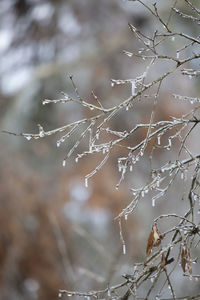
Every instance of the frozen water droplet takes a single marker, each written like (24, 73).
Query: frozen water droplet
(58, 143)
(190, 77)
(152, 279)
(64, 163)
(126, 217)
(112, 84)
(76, 159)
(177, 55)
(131, 168)
(133, 86)
(173, 38)
(86, 182)
(28, 137)
(143, 58)
(158, 138)
(60, 295)
(142, 193)
(124, 249)
(153, 202)
(127, 108)
(91, 108)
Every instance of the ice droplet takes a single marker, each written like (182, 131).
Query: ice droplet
(177, 55)
(124, 249)
(158, 138)
(44, 102)
(86, 182)
(64, 163)
(153, 202)
(126, 217)
(112, 84)
(173, 38)
(60, 295)
(133, 86)
(58, 144)
(28, 137)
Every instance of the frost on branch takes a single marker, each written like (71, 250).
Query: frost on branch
(168, 137)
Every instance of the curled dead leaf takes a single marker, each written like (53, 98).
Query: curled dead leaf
(186, 260)
(154, 239)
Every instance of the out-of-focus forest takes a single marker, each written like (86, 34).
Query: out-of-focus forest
(54, 232)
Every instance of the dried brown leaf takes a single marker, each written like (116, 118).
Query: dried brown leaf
(154, 239)
(185, 260)
(163, 260)
(149, 243)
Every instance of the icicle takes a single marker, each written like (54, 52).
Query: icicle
(131, 168)
(142, 193)
(64, 163)
(124, 249)
(158, 138)
(177, 55)
(133, 86)
(86, 182)
(76, 159)
(58, 143)
(127, 108)
(169, 144)
(28, 137)
(153, 202)
(126, 217)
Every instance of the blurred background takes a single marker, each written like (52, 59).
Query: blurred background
(54, 232)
